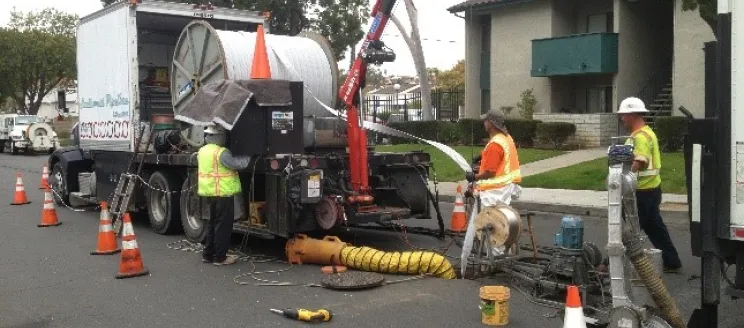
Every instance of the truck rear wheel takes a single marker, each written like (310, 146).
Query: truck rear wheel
(162, 204)
(194, 226)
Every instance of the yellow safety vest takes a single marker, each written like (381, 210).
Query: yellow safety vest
(508, 171)
(215, 179)
(646, 149)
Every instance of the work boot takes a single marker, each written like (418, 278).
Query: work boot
(668, 269)
(206, 260)
(230, 259)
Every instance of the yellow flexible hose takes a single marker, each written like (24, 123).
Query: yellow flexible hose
(416, 262)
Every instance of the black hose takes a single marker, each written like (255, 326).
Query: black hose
(440, 220)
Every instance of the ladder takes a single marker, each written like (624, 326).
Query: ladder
(122, 197)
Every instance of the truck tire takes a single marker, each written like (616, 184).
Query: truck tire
(163, 204)
(58, 183)
(194, 226)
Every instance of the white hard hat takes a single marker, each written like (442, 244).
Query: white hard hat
(213, 129)
(632, 105)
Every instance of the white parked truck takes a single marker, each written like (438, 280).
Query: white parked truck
(138, 60)
(28, 133)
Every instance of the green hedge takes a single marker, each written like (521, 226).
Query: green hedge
(670, 131)
(555, 133)
(444, 132)
(465, 131)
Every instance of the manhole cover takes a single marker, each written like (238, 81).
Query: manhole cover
(352, 280)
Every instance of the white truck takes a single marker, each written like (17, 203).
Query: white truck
(28, 133)
(138, 61)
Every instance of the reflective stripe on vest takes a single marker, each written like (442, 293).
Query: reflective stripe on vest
(215, 179)
(508, 174)
(650, 170)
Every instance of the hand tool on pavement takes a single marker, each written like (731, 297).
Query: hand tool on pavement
(305, 315)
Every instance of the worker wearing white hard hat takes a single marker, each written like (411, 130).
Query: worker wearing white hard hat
(647, 165)
(218, 181)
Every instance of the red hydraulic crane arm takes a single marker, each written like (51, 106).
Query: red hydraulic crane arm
(349, 94)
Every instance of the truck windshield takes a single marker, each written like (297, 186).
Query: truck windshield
(27, 120)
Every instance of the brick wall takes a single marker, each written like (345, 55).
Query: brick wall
(592, 130)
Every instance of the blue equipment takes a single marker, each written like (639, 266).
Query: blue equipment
(571, 235)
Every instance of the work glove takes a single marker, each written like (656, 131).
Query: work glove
(470, 176)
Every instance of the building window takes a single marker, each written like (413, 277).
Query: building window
(600, 23)
(485, 101)
(599, 99)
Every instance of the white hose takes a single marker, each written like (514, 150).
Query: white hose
(303, 59)
(315, 72)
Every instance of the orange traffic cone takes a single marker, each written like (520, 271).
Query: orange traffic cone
(260, 68)
(130, 264)
(44, 178)
(458, 221)
(48, 213)
(20, 193)
(574, 316)
(106, 239)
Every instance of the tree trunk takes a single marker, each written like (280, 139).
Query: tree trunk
(418, 63)
(421, 63)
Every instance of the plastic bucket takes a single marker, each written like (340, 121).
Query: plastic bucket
(494, 305)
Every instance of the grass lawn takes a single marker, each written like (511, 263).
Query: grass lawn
(446, 168)
(593, 174)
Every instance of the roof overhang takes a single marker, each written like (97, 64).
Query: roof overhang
(483, 5)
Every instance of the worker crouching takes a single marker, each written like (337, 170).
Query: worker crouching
(219, 183)
(498, 176)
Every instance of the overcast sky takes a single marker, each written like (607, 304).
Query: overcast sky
(442, 33)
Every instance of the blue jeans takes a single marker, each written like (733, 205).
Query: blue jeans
(649, 216)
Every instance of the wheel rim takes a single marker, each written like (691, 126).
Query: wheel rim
(58, 185)
(158, 203)
(192, 201)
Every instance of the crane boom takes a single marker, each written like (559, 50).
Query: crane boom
(370, 52)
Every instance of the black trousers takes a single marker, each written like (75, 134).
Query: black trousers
(219, 228)
(649, 216)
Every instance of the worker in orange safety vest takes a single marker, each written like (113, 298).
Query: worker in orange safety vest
(498, 177)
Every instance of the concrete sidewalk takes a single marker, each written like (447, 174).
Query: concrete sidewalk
(576, 202)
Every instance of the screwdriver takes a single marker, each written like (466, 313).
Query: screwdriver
(305, 315)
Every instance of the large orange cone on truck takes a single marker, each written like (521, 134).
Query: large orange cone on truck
(48, 213)
(44, 178)
(20, 198)
(107, 244)
(260, 68)
(130, 264)
(574, 316)
(458, 222)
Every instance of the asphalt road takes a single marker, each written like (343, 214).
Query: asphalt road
(48, 278)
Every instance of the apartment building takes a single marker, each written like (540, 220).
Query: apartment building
(581, 58)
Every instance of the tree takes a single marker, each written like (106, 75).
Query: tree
(708, 10)
(38, 51)
(340, 21)
(453, 78)
(414, 45)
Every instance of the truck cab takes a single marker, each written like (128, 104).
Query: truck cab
(28, 133)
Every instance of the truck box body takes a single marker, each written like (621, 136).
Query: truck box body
(125, 43)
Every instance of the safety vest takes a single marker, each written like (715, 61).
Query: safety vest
(215, 179)
(508, 170)
(648, 176)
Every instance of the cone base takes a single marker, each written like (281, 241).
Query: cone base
(20, 203)
(106, 252)
(49, 225)
(144, 271)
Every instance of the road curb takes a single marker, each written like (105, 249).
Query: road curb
(588, 211)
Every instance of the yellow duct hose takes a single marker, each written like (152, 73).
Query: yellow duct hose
(332, 251)
(416, 262)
